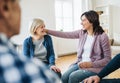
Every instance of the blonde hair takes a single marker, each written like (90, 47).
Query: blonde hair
(36, 22)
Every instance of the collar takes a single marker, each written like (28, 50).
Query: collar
(5, 41)
(3, 38)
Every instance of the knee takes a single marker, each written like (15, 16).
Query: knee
(118, 55)
(73, 78)
(64, 78)
(72, 75)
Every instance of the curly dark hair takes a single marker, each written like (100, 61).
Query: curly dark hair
(93, 18)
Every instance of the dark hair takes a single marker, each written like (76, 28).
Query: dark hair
(93, 18)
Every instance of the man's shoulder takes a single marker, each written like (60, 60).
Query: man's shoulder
(23, 68)
(4, 49)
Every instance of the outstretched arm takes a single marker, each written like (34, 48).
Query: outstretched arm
(71, 35)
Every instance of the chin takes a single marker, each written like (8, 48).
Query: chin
(83, 28)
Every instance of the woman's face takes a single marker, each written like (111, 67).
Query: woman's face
(85, 23)
(40, 30)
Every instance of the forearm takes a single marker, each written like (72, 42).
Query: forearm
(110, 67)
(52, 60)
(101, 63)
(26, 53)
(74, 34)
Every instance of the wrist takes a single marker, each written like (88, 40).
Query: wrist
(46, 30)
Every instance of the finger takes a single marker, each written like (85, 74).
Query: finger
(90, 81)
(85, 81)
(54, 69)
(84, 65)
(58, 70)
(96, 81)
(81, 65)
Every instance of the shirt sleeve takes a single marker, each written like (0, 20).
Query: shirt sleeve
(26, 48)
(51, 53)
(110, 67)
(70, 35)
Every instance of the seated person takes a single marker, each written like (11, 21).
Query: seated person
(113, 65)
(93, 51)
(39, 45)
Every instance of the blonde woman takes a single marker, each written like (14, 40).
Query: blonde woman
(39, 45)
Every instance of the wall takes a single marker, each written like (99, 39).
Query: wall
(115, 12)
(106, 2)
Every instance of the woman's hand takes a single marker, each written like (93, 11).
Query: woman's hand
(54, 68)
(85, 64)
(92, 79)
(45, 30)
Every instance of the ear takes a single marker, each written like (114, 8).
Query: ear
(4, 10)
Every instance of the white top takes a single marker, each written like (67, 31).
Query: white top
(87, 49)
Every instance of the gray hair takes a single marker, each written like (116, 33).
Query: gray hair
(36, 22)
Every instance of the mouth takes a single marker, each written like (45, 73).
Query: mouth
(42, 31)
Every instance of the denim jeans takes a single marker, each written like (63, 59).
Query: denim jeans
(75, 75)
(110, 81)
(58, 73)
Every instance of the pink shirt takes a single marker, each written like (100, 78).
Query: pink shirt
(100, 54)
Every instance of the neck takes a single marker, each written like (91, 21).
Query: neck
(5, 31)
(37, 37)
(90, 32)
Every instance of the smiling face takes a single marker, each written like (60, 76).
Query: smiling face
(37, 27)
(40, 30)
(85, 23)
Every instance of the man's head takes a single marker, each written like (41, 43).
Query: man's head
(10, 15)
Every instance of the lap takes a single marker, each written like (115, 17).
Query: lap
(81, 74)
(71, 69)
(74, 69)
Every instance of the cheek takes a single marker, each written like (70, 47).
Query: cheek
(87, 24)
(40, 30)
(84, 24)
